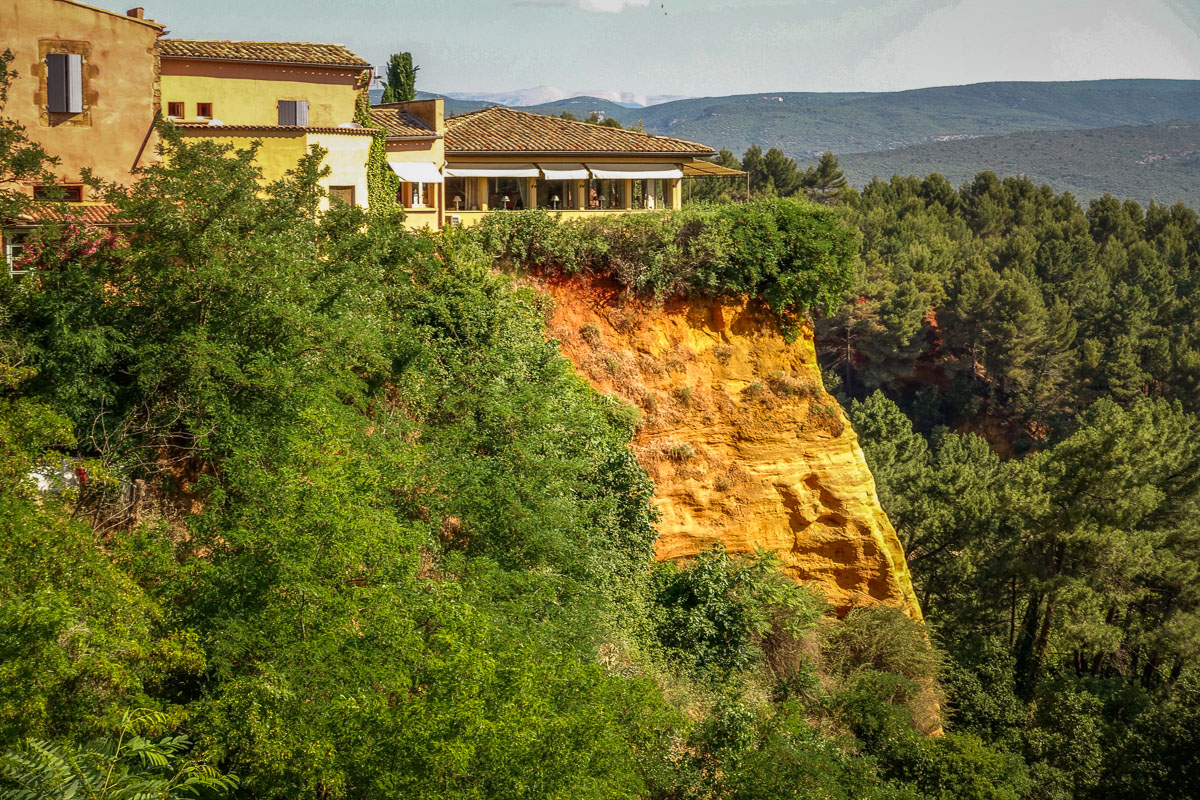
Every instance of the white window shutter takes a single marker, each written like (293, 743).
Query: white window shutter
(302, 113)
(74, 84)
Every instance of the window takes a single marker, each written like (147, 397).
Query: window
(415, 195)
(64, 83)
(342, 194)
(14, 243)
(204, 110)
(65, 194)
(293, 112)
(460, 194)
(175, 110)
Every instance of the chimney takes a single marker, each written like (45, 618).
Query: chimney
(137, 13)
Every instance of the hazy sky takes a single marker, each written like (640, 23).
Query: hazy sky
(714, 47)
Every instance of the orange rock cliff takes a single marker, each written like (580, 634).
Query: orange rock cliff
(745, 446)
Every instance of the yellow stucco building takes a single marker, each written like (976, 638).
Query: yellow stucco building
(502, 158)
(95, 82)
(416, 152)
(454, 170)
(288, 96)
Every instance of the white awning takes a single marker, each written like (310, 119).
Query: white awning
(564, 172)
(492, 171)
(416, 171)
(635, 171)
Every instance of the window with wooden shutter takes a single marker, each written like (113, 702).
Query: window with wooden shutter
(65, 194)
(293, 112)
(342, 194)
(64, 83)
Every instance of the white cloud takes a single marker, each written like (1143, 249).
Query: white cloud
(965, 41)
(603, 6)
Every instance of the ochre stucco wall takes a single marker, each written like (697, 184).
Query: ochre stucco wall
(280, 150)
(115, 132)
(246, 94)
(347, 161)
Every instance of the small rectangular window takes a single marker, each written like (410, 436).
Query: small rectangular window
(204, 110)
(14, 243)
(293, 112)
(62, 194)
(64, 83)
(342, 194)
(175, 110)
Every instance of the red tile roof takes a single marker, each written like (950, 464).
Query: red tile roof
(399, 123)
(300, 53)
(90, 213)
(504, 130)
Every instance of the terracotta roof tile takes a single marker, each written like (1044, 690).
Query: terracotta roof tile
(504, 130)
(325, 55)
(398, 122)
(90, 213)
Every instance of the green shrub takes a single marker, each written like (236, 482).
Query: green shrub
(716, 612)
(754, 391)
(875, 706)
(591, 334)
(680, 452)
(793, 255)
(879, 638)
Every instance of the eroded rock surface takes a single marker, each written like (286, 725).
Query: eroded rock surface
(745, 445)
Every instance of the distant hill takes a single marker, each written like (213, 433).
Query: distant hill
(806, 124)
(1143, 162)
(803, 124)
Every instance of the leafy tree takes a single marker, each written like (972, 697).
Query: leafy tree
(21, 161)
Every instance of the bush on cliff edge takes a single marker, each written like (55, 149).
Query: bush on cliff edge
(793, 255)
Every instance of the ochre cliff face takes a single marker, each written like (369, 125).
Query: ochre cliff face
(745, 446)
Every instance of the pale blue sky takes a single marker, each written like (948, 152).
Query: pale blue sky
(715, 47)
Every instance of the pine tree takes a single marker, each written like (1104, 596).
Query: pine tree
(783, 171)
(825, 182)
(755, 167)
(401, 79)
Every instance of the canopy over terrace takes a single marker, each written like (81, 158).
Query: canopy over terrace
(502, 158)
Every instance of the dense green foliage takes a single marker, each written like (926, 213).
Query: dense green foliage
(127, 767)
(348, 525)
(1004, 298)
(1057, 558)
(793, 255)
(347, 521)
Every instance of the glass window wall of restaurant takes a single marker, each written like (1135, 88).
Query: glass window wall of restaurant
(460, 194)
(511, 193)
